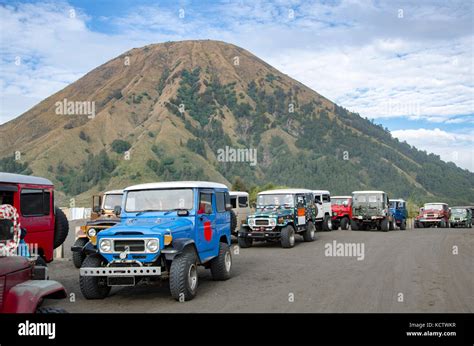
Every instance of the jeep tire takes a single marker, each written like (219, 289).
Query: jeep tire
(244, 242)
(384, 225)
(403, 225)
(233, 222)
(345, 224)
(79, 257)
(61, 227)
(391, 225)
(327, 223)
(354, 225)
(442, 224)
(310, 233)
(93, 287)
(288, 237)
(184, 276)
(222, 264)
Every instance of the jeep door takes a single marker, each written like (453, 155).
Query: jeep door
(300, 210)
(207, 235)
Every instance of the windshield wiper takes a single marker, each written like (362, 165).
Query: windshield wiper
(175, 209)
(144, 211)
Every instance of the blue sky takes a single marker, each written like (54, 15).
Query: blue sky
(406, 64)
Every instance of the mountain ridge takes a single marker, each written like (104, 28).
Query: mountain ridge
(301, 137)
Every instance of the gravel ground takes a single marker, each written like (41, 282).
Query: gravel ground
(429, 270)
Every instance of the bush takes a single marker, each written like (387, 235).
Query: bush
(120, 146)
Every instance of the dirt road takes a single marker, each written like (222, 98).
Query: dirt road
(429, 270)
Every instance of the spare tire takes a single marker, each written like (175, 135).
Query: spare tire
(61, 227)
(233, 222)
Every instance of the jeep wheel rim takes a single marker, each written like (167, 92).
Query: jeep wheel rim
(311, 232)
(292, 238)
(192, 277)
(329, 223)
(227, 261)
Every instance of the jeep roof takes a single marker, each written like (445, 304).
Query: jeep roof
(113, 192)
(238, 193)
(396, 200)
(368, 191)
(23, 179)
(437, 203)
(284, 191)
(176, 184)
(321, 191)
(336, 197)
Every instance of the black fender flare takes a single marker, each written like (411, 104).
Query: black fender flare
(178, 246)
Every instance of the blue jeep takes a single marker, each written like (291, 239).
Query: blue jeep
(398, 208)
(166, 230)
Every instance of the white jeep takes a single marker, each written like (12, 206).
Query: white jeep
(241, 207)
(322, 198)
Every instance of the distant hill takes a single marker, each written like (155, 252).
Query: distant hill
(228, 98)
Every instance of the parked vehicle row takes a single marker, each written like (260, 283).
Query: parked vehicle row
(156, 231)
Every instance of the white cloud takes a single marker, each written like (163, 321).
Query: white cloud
(359, 54)
(450, 146)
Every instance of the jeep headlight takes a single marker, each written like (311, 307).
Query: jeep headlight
(152, 245)
(91, 232)
(251, 222)
(272, 222)
(105, 245)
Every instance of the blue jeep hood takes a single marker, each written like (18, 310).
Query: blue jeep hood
(148, 226)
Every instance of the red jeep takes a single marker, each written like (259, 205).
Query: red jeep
(433, 214)
(33, 197)
(341, 207)
(23, 287)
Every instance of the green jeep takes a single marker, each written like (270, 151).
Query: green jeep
(280, 214)
(460, 217)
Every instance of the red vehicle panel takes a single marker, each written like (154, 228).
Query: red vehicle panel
(33, 197)
(341, 207)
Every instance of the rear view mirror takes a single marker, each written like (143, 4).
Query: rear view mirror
(22, 233)
(117, 210)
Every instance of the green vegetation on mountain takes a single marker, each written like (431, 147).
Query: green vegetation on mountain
(177, 106)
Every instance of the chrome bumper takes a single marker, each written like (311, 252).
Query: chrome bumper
(121, 271)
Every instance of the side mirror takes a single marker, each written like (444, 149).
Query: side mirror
(96, 209)
(22, 233)
(228, 207)
(117, 210)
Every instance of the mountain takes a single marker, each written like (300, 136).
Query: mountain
(168, 111)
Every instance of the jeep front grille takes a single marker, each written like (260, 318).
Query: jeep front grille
(262, 222)
(134, 245)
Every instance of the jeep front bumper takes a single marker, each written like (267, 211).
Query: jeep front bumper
(257, 234)
(121, 271)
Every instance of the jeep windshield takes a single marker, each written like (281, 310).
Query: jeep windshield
(339, 201)
(159, 200)
(275, 201)
(372, 200)
(111, 201)
(459, 212)
(433, 207)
